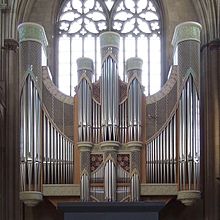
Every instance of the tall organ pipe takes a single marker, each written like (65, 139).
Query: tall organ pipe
(85, 71)
(109, 86)
(134, 68)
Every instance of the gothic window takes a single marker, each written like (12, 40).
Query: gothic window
(80, 23)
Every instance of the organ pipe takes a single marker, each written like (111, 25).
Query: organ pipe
(85, 71)
(109, 86)
(189, 145)
(57, 154)
(135, 187)
(30, 130)
(161, 155)
(110, 181)
(134, 67)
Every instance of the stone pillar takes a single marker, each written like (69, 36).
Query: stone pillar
(11, 146)
(210, 128)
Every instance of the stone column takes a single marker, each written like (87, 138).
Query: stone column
(210, 128)
(11, 148)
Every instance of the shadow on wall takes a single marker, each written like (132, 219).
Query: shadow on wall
(176, 210)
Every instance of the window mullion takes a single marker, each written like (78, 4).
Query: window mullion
(71, 65)
(148, 65)
(136, 47)
(124, 69)
(83, 49)
(95, 58)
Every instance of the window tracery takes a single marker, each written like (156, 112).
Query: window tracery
(80, 23)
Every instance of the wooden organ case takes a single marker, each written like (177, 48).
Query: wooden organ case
(109, 127)
(123, 146)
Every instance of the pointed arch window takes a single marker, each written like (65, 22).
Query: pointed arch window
(80, 22)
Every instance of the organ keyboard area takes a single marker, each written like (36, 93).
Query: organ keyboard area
(117, 150)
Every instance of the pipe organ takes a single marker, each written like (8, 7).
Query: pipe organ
(115, 160)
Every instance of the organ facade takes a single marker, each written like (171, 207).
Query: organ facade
(110, 143)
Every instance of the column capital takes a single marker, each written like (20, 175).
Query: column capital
(186, 31)
(11, 44)
(134, 66)
(109, 39)
(134, 145)
(109, 146)
(31, 198)
(85, 66)
(84, 146)
(29, 31)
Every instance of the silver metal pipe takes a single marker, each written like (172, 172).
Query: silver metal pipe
(94, 122)
(55, 157)
(184, 137)
(157, 159)
(69, 163)
(23, 176)
(162, 157)
(153, 162)
(148, 164)
(106, 181)
(171, 157)
(34, 116)
(197, 145)
(188, 134)
(30, 121)
(52, 153)
(24, 129)
(132, 114)
(125, 121)
(174, 149)
(30, 174)
(80, 111)
(61, 159)
(180, 144)
(34, 125)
